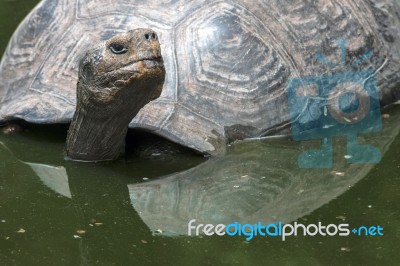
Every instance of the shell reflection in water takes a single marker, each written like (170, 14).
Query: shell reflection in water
(257, 180)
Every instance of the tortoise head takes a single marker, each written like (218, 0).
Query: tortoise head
(116, 79)
(127, 65)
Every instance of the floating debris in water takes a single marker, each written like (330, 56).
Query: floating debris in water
(7, 238)
(347, 156)
(94, 222)
(345, 249)
(386, 116)
(236, 186)
(158, 231)
(143, 241)
(21, 231)
(370, 206)
(3, 221)
(244, 176)
(76, 236)
(263, 177)
(145, 178)
(341, 218)
(300, 191)
(81, 232)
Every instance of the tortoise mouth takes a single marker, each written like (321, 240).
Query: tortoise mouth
(144, 63)
(139, 65)
(152, 62)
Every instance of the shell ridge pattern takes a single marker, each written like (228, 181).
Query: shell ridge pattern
(369, 29)
(283, 51)
(50, 53)
(198, 114)
(43, 63)
(321, 15)
(365, 10)
(175, 65)
(63, 98)
(9, 51)
(227, 62)
(220, 74)
(167, 118)
(215, 71)
(277, 49)
(38, 18)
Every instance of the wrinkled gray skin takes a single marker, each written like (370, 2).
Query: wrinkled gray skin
(227, 62)
(116, 79)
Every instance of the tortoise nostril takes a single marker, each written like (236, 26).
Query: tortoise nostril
(150, 36)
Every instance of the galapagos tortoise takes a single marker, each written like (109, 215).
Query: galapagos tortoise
(227, 62)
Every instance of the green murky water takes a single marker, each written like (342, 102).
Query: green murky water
(56, 212)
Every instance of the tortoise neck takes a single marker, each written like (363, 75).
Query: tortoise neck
(96, 137)
(99, 126)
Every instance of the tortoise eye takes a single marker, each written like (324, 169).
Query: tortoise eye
(118, 48)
